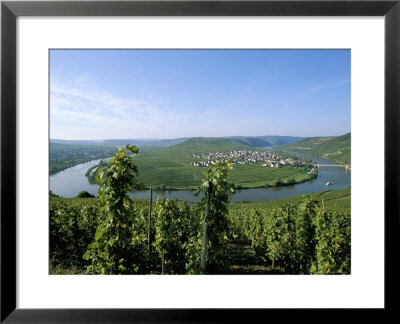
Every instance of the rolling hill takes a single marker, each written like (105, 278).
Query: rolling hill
(210, 144)
(255, 141)
(336, 149)
(122, 142)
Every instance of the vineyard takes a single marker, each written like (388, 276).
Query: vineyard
(172, 168)
(117, 234)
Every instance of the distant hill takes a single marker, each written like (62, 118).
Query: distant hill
(74, 142)
(122, 142)
(211, 144)
(337, 149)
(264, 141)
(144, 142)
(63, 156)
(234, 142)
(281, 140)
(255, 141)
(87, 149)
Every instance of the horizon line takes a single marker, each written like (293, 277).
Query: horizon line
(172, 138)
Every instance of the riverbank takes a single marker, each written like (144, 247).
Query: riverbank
(339, 199)
(70, 182)
(298, 178)
(243, 176)
(64, 165)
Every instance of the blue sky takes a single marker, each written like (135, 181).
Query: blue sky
(117, 94)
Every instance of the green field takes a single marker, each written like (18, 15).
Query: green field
(170, 168)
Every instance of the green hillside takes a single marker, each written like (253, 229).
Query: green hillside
(210, 144)
(336, 149)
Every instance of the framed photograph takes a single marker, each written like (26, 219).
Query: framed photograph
(197, 161)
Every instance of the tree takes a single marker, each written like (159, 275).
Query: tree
(52, 194)
(85, 194)
(119, 245)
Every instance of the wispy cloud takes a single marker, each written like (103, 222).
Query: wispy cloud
(80, 110)
(325, 85)
(84, 105)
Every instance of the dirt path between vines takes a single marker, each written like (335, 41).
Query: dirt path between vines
(244, 260)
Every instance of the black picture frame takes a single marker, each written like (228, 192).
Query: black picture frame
(10, 10)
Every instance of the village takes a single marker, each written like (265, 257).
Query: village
(271, 159)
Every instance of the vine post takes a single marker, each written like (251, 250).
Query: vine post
(205, 236)
(149, 221)
(162, 262)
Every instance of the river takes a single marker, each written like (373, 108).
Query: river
(70, 182)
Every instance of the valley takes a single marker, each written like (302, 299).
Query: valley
(181, 167)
